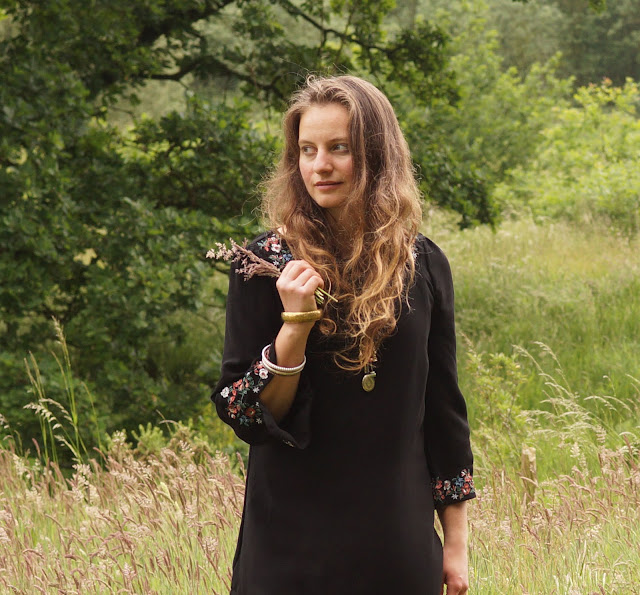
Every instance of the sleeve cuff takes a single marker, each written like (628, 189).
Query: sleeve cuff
(239, 400)
(294, 430)
(451, 490)
(239, 404)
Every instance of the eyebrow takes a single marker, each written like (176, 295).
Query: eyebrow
(340, 139)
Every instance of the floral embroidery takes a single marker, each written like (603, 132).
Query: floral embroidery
(452, 490)
(277, 251)
(246, 410)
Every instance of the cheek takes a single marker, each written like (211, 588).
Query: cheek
(348, 169)
(305, 171)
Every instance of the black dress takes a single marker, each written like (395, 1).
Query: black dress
(341, 493)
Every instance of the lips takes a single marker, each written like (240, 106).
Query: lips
(326, 184)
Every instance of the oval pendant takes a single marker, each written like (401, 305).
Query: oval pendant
(369, 381)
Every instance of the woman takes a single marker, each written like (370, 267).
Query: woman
(358, 430)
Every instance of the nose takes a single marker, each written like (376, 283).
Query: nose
(322, 162)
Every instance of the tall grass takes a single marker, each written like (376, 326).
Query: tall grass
(161, 514)
(165, 524)
(163, 517)
(574, 289)
(581, 534)
(567, 521)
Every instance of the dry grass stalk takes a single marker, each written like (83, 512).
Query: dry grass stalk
(164, 525)
(250, 265)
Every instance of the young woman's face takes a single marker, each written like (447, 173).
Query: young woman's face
(325, 158)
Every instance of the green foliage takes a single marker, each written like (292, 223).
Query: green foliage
(150, 440)
(105, 229)
(597, 39)
(528, 33)
(70, 422)
(575, 289)
(208, 159)
(594, 4)
(585, 168)
(570, 428)
(600, 44)
(499, 423)
(496, 122)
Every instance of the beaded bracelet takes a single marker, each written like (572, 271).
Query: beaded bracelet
(280, 370)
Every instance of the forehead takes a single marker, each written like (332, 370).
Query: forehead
(327, 121)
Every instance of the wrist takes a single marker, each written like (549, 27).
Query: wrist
(296, 331)
(291, 343)
(456, 544)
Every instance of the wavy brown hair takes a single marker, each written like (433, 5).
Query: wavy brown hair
(370, 272)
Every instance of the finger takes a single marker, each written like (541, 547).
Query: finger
(293, 283)
(293, 268)
(313, 283)
(455, 587)
(299, 272)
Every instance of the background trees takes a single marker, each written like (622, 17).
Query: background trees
(134, 134)
(103, 227)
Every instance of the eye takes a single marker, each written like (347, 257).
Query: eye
(341, 148)
(307, 150)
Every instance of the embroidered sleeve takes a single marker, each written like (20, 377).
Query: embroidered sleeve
(240, 399)
(456, 489)
(253, 321)
(446, 428)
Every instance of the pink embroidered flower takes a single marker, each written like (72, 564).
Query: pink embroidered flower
(273, 245)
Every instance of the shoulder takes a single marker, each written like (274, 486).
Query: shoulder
(430, 253)
(433, 265)
(270, 246)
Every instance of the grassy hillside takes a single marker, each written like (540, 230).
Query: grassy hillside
(549, 321)
(164, 521)
(574, 289)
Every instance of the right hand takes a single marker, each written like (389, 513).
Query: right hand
(296, 286)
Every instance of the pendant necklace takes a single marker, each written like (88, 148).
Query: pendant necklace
(369, 378)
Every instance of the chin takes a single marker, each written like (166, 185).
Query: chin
(330, 202)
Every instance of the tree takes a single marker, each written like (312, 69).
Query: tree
(105, 229)
(585, 168)
(596, 40)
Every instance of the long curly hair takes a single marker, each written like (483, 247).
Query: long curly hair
(370, 274)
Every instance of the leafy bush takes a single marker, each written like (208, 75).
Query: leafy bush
(586, 167)
(574, 289)
(497, 419)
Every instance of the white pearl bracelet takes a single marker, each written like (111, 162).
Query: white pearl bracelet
(280, 370)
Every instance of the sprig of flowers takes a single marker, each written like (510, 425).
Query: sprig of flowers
(250, 264)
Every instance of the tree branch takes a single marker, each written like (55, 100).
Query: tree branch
(148, 35)
(222, 69)
(295, 11)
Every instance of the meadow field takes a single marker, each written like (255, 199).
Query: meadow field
(134, 136)
(548, 315)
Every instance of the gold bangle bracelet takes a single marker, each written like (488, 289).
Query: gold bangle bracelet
(297, 317)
